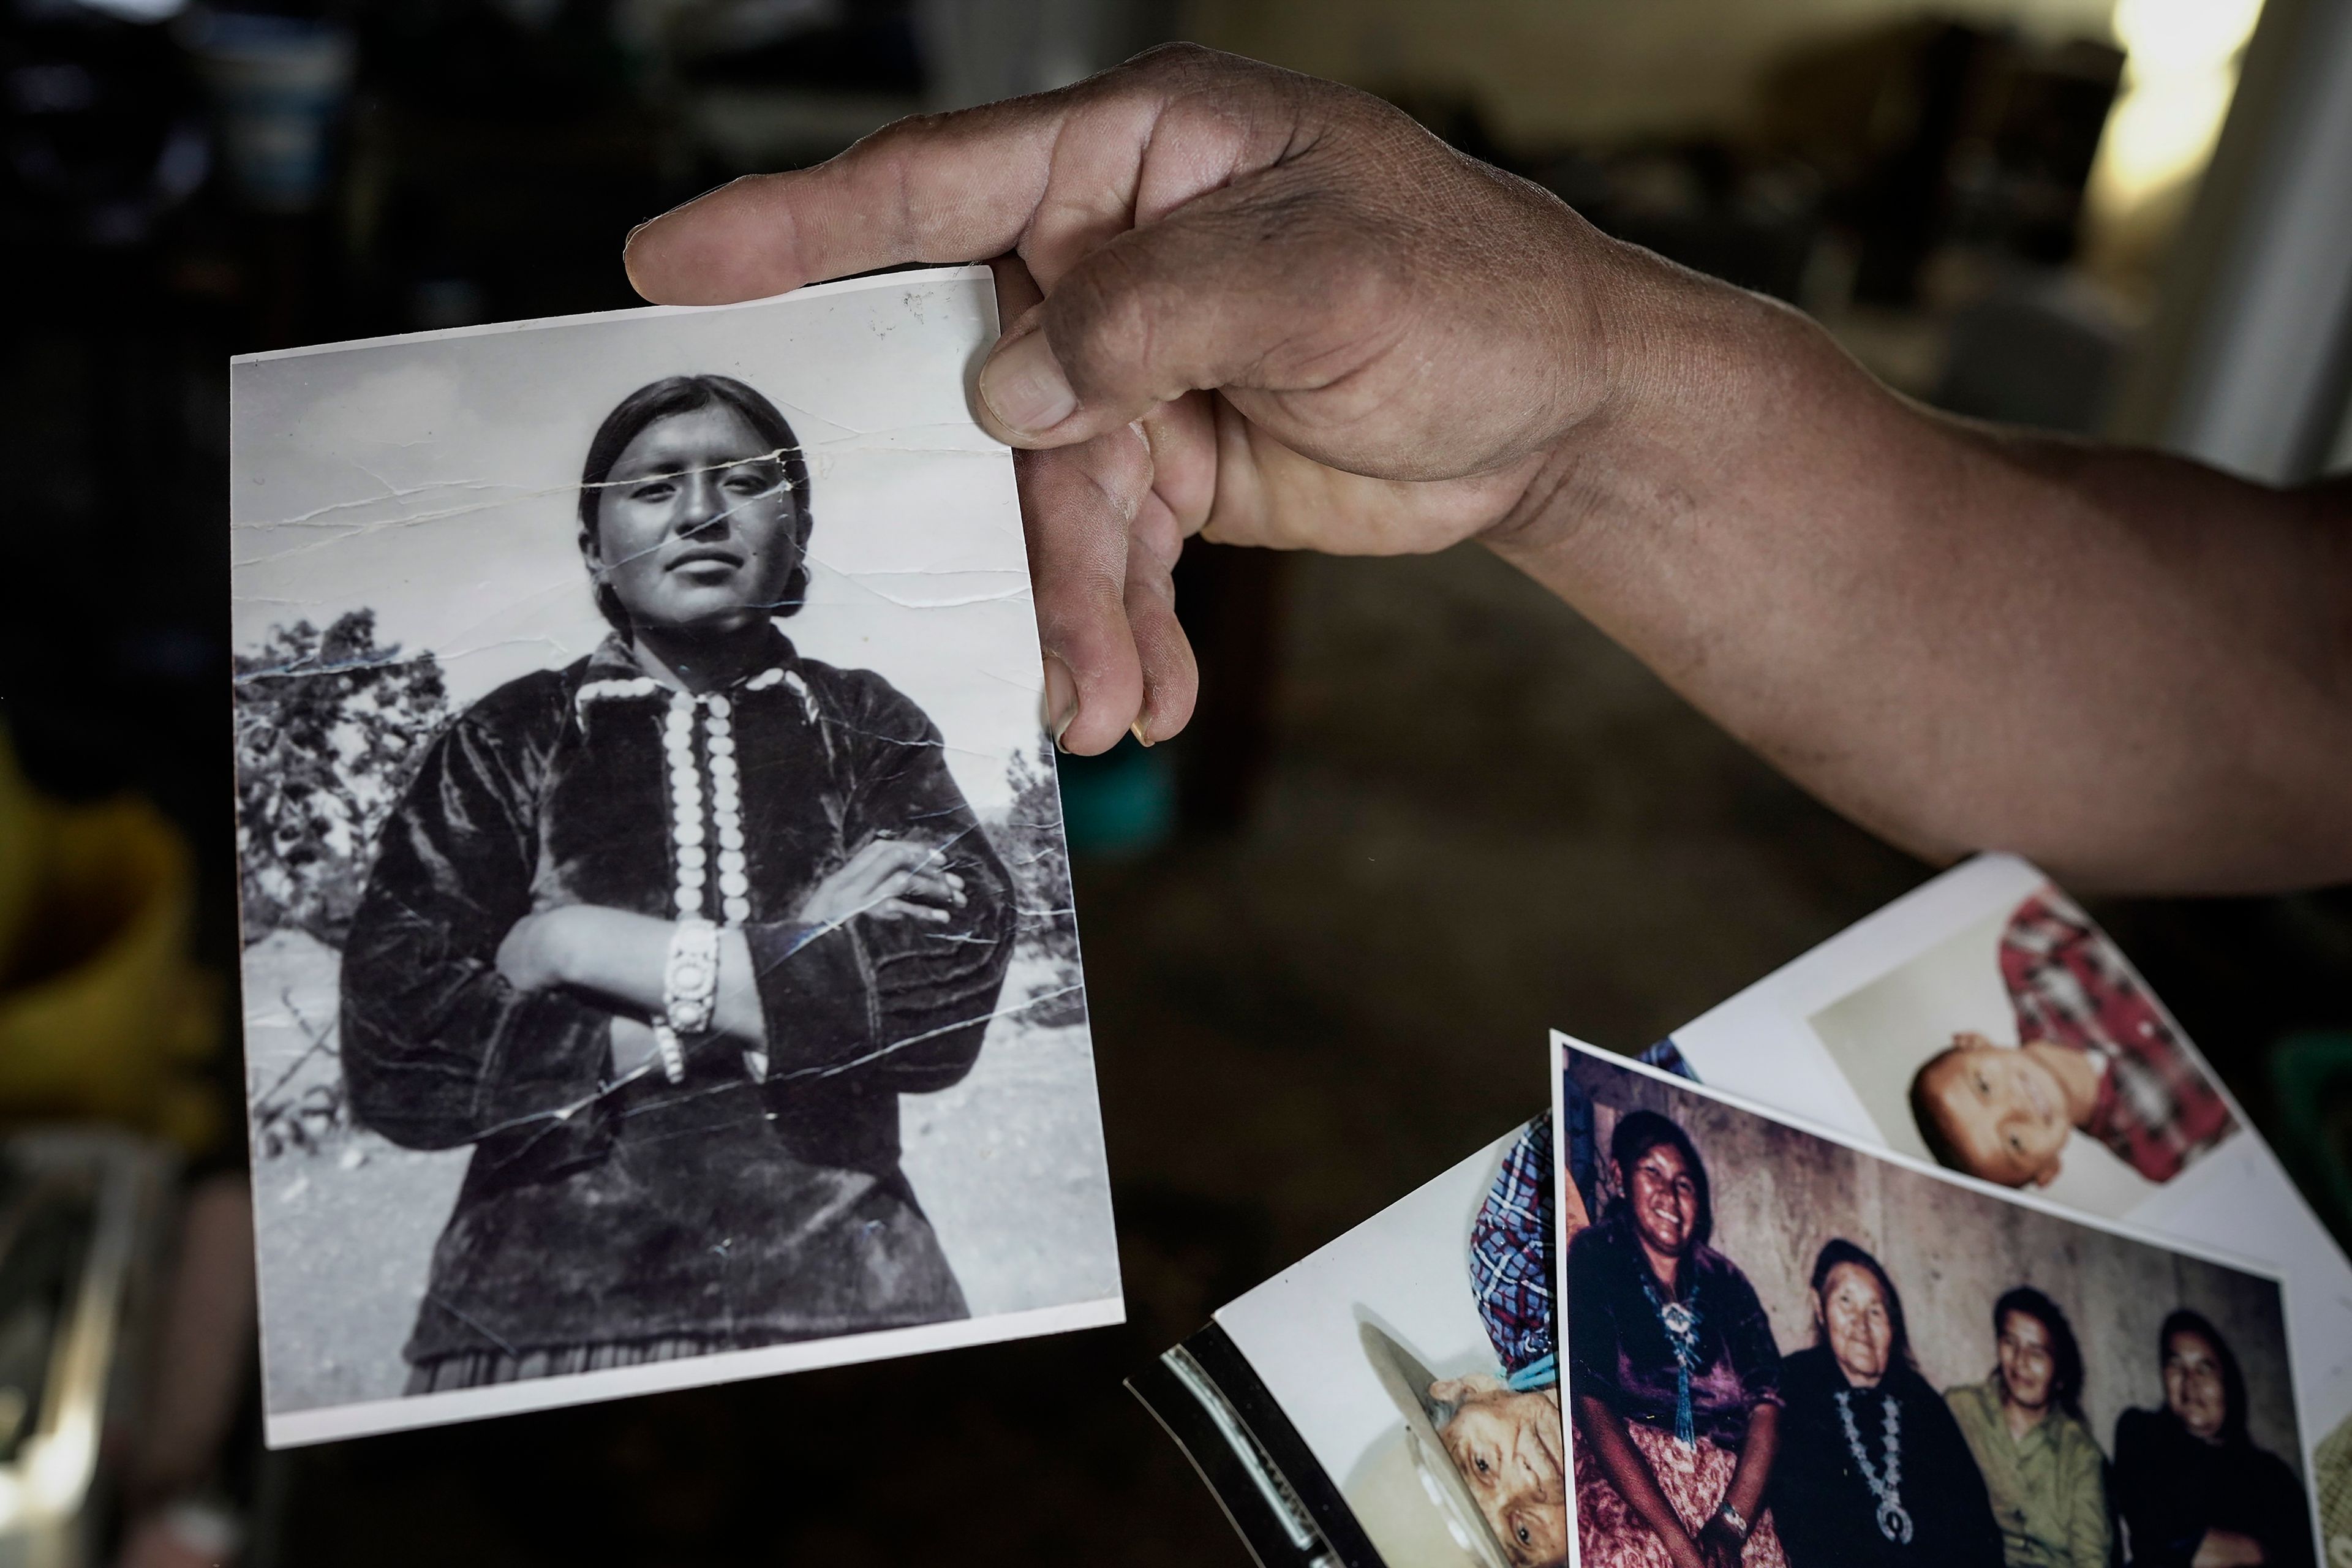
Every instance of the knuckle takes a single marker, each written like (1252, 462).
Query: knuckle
(1101, 323)
(1118, 463)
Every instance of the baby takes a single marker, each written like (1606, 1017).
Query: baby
(2098, 1054)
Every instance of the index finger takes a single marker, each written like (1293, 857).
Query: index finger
(898, 853)
(936, 188)
(1050, 175)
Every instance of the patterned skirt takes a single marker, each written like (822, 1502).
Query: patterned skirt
(475, 1369)
(1609, 1535)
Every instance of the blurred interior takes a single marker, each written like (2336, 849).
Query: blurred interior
(1425, 811)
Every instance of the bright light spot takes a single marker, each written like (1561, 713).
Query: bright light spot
(2157, 136)
(2166, 36)
(57, 1466)
(2180, 69)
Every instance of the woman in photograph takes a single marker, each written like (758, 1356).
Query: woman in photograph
(1503, 1433)
(2024, 1423)
(1674, 1370)
(662, 935)
(2193, 1490)
(1871, 1467)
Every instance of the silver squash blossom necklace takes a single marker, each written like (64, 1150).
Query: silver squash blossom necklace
(1894, 1520)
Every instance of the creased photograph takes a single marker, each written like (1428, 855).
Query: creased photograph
(1783, 1350)
(659, 965)
(1401, 1381)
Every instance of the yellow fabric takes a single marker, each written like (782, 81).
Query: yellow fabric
(103, 1015)
(24, 822)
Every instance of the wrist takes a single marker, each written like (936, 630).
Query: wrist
(553, 934)
(1676, 360)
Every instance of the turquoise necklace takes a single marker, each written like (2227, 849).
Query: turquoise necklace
(1681, 1320)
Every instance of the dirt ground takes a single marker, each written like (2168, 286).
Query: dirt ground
(1009, 1164)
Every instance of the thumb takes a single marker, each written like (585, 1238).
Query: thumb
(1258, 286)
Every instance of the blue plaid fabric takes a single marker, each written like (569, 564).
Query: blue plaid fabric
(1511, 1258)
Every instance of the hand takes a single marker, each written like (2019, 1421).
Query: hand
(1718, 1545)
(536, 952)
(633, 1048)
(1685, 1552)
(1242, 303)
(889, 878)
(2226, 1548)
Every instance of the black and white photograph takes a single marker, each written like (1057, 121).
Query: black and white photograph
(658, 958)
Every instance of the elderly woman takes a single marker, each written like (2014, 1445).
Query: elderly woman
(1872, 1468)
(1503, 1433)
(1674, 1376)
(2193, 1490)
(662, 935)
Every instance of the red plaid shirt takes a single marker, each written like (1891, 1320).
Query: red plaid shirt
(2069, 985)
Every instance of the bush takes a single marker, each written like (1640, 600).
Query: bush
(330, 730)
(1030, 843)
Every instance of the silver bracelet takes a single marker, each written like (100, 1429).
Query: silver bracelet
(690, 977)
(689, 991)
(1734, 1518)
(672, 1053)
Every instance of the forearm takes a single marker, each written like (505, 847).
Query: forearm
(2133, 669)
(626, 957)
(1746, 1492)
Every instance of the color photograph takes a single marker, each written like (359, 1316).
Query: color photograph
(1985, 1024)
(2050, 1064)
(1414, 1358)
(1783, 1350)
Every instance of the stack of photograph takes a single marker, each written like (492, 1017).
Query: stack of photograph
(1941, 1245)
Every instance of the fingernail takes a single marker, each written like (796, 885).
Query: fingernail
(1141, 729)
(1061, 695)
(1024, 388)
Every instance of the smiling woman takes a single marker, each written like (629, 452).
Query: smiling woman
(664, 934)
(1674, 1370)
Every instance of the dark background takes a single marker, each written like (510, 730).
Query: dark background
(1425, 812)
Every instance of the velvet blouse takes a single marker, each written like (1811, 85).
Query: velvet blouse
(727, 1208)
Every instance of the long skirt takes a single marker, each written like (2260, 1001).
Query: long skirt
(477, 1369)
(1609, 1535)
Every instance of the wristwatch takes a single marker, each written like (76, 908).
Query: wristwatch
(1735, 1520)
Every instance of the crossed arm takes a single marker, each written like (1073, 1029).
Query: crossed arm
(468, 1015)
(1271, 311)
(624, 956)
